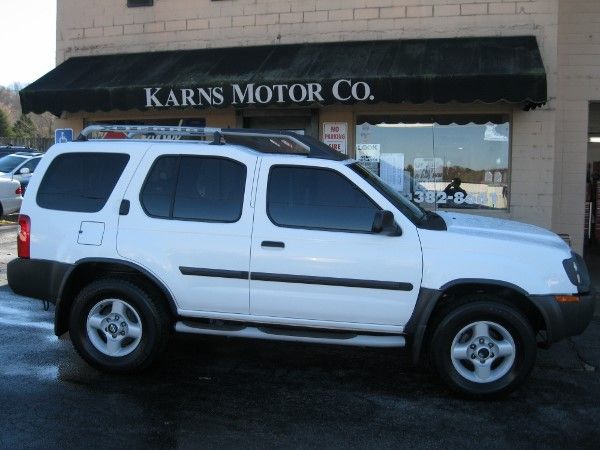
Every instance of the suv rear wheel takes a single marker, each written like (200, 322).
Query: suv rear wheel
(483, 348)
(118, 327)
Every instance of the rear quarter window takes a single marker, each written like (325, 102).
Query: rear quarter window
(80, 182)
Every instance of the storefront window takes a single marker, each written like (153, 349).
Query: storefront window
(441, 161)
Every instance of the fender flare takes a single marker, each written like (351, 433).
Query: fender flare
(428, 299)
(60, 312)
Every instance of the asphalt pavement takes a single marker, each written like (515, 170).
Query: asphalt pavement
(215, 393)
(8, 247)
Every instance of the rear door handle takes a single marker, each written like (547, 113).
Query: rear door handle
(274, 244)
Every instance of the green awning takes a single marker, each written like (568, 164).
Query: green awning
(489, 70)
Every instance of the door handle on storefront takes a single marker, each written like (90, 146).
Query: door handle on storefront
(274, 244)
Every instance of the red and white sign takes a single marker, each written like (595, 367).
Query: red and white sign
(335, 134)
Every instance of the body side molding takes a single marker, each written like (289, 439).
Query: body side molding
(302, 279)
(331, 281)
(218, 273)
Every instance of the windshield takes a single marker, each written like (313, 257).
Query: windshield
(414, 213)
(10, 162)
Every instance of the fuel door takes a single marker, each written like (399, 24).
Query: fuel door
(91, 233)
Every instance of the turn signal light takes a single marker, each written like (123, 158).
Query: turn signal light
(24, 236)
(19, 191)
(566, 298)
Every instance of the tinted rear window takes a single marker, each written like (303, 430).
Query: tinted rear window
(202, 188)
(157, 193)
(80, 182)
(210, 189)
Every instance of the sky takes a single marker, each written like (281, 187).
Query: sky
(27, 40)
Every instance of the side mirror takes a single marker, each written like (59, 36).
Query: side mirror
(384, 223)
(24, 171)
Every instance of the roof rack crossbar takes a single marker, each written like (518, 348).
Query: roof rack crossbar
(275, 142)
(137, 130)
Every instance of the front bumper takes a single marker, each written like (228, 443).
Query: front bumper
(565, 319)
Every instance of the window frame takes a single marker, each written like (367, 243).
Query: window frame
(139, 3)
(327, 169)
(179, 156)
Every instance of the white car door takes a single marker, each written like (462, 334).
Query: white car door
(314, 256)
(190, 223)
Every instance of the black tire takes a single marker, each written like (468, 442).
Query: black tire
(155, 325)
(475, 309)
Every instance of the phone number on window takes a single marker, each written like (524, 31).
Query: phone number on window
(481, 198)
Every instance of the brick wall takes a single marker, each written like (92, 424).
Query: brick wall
(578, 84)
(92, 27)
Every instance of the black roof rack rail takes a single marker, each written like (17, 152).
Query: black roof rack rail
(264, 141)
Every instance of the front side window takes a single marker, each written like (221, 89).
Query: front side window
(80, 182)
(31, 164)
(208, 189)
(414, 213)
(316, 198)
(440, 162)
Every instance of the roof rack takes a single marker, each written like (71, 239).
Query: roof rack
(25, 153)
(264, 141)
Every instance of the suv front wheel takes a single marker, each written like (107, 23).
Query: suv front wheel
(117, 327)
(483, 348)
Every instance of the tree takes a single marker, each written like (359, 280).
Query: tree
(24, 127)
(44, 123)
(10, 103)
(5, 130)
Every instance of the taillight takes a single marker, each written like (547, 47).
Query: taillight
(19, 190)
(24, 237)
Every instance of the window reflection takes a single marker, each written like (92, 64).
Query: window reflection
(439, 162)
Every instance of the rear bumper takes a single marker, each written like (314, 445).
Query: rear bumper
(11, 205)
(565, 319)
(37, 278)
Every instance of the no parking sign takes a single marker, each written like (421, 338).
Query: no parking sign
(335, 134)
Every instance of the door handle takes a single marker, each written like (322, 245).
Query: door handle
(274, 244)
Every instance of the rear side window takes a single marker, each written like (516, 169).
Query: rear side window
(157, 193)
(80, 182)
(306, 197)
(202, 188)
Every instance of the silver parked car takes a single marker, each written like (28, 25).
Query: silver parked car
(11, 196)
(19, 166)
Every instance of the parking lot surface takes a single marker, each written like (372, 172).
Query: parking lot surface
(251, 394)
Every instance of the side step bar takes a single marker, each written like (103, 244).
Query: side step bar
(302, 335)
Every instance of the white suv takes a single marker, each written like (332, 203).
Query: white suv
(273, 235)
